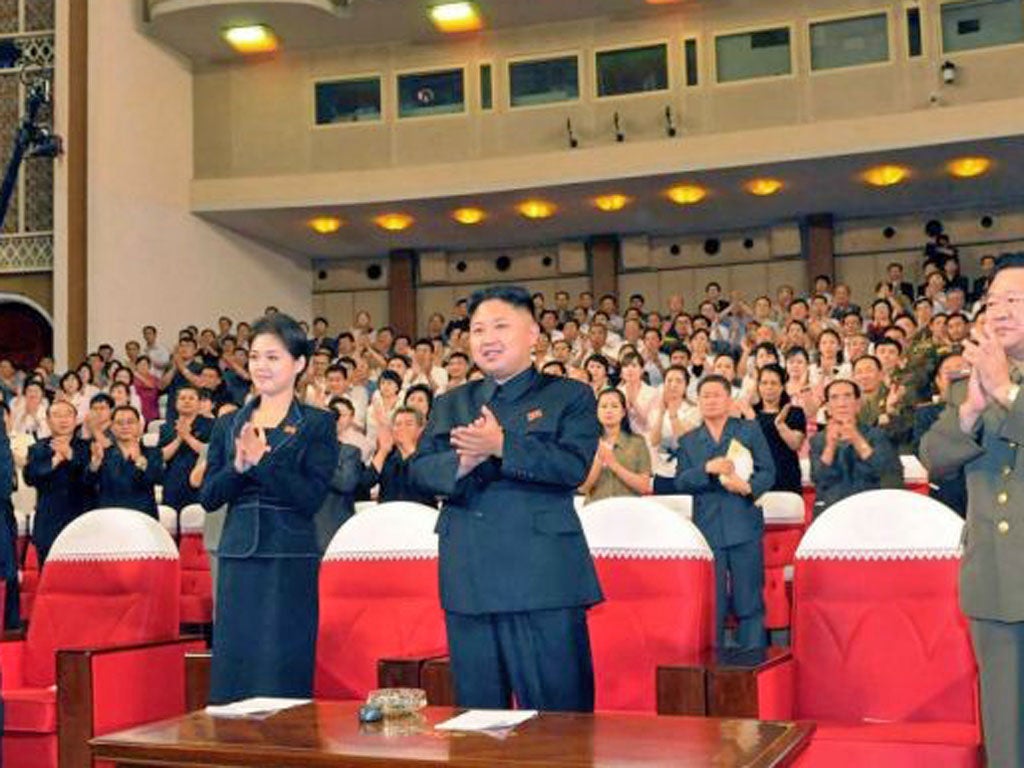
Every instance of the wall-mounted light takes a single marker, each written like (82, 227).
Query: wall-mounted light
(254, 38)
(763, 187)
(469, 215)
(456, 17)
(948, 70)
(686, 194)
(325, 225)
(394, 222)
(611, 203)
(968, 167)
(536, 209)
(885, 175)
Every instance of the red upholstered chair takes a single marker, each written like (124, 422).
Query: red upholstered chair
(784, 525)
(881, 654)
(378, 598)
(109, 592)
(29, 580)
(196, 582)
(657, 575)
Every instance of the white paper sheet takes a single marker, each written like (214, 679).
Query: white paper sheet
(258, 706)
(487, 720)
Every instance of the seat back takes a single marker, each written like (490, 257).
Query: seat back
(378, 597)
(657, 575)
(111, 578)
(196, 581)
(877, 631)
(782, 508)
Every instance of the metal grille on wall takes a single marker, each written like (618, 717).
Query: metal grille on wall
(26, 244)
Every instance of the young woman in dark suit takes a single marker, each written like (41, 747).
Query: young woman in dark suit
(270, 463)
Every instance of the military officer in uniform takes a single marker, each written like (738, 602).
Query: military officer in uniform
(980, 432)
(508, 452)
(723, 505)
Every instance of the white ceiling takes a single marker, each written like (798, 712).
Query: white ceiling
(827, 185)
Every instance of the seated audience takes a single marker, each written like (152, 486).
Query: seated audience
(124, 473)
(622, 464)
(396, 443)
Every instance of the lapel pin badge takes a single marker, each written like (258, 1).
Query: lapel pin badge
(535, 414)
(291, 429)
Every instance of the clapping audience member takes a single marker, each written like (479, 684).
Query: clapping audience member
(396, 443)
(784, 426)
(622, 465)
(124, 474)
(181, 443)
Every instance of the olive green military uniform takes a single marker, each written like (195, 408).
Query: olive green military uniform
(992, 569)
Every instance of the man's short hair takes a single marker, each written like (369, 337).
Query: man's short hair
(101, 397)
(888, 342)
(553, 364)
(514, 295)
(714, 378)
(847, 382)
(872, 358)
(1008, 261)
(406, 409)
(337, 368)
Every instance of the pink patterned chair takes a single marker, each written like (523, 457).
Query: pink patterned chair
(881, 656)
(378, 598)
(102, 651)
(657, 575)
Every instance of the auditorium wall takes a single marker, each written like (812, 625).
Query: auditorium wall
(150, 260)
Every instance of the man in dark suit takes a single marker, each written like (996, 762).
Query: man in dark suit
(848, 456)
(896, 282)
(988, 263)
(723, 505)
(508, 452)
(125, 473)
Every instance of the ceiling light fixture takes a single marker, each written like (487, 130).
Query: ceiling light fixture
(885, 175)
(456, 17)
(763, 187)
(468, 216)
(686, 194)
(969, 167)
(325, 225)
(394, 222)
(610, 203)
(536, 209)
(254, 38)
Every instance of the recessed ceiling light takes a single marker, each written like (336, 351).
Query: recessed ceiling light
(255, 38)
(885, 175)
(686, 194)
(456, 17)
(611, 203)
(968, 167)
(468, 216)
(325, 225)
(763, 187)
(394, 222)
(536, 209)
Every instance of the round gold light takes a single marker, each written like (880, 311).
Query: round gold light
(611, 203)
(763, 187)
(394, 222)
(325, 225)
(686, 194)
(468, 216)
(885, 175)
(536, 209)
(968, 167)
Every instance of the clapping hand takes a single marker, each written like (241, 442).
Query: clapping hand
(606, 453)
(250, 447)
(484, 437)
(988, 360)
(780, 420)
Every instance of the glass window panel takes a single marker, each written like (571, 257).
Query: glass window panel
(544, 81)
(348, 101)
(849, 42)
(632, 70)
(914, 31)
(981, 24)
(431, 93)
(486, 87)
(753, 54)
(690, 53)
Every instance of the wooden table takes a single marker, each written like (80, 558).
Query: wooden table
(329, 734)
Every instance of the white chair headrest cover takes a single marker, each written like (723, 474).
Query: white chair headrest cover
(113, 534)
(883, 525)
(636, 528)
(192, 518)
(913, 470)
(677, 502)
(782, 507)
(396, 530)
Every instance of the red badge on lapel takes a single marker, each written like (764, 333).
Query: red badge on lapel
(535, 414)
(291, 429)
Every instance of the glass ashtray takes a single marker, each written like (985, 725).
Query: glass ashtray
(397, 702)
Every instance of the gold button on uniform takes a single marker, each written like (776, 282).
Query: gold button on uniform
(1002, 526)
(1002, 497)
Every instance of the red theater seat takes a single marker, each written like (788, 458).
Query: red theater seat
(106, 613)
(196, 582)
(378, 598)
(657, 575)
(881, 655)
(784, 526)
